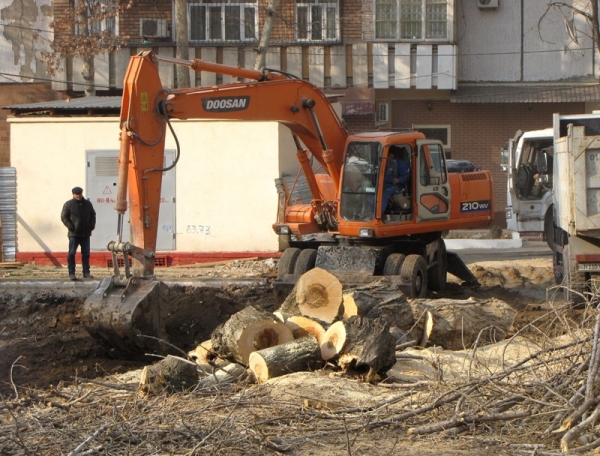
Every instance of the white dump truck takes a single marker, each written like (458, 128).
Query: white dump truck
(576, 200)
(528, 192)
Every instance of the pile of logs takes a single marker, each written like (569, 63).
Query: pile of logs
(358, 331)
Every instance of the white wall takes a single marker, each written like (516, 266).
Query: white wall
(225, 179)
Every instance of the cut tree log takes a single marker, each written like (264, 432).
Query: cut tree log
(385, 302)
(302, 326)
(171, 374)
(246, 331)
(360, 343)
(303, 354)
(317, 294)
(232, 373)
(457, 324)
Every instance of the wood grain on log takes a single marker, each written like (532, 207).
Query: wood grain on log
(299, 355)
(302, 326)
(246, 331)
(317, 294)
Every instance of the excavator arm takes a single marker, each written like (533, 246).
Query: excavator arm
(124, 309)
(147, 108)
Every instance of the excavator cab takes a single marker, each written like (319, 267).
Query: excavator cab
(359, 182)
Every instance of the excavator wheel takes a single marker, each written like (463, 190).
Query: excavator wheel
(305, 261)
(287, 262)
(393, 264)
(414, 272)
(438, 274)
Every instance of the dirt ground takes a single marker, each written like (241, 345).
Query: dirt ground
(44, 345)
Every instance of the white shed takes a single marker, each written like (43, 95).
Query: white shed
(220, 200)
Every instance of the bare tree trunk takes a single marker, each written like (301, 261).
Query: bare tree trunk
(88, 71)
(265, 38)
(89, 75)
(182, 50)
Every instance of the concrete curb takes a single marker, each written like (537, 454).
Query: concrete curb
(457, 244)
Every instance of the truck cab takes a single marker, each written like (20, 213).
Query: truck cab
(527, 160)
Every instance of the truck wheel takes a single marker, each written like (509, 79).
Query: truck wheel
(393, 264)
(437, 275)
(549, 228)
(414, 272)
(306, 261)
(287, 262)
(575, 283)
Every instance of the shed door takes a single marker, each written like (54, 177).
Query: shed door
(101, 189)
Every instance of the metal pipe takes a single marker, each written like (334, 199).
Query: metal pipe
(125, 142)
(201, 65)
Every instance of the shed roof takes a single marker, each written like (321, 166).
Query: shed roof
(526, 93)
(72, 106)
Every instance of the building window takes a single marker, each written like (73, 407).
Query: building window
(102, 18)
(412, 19)
(222, 21)
(317, 20)
(383, 112)
(439, 132)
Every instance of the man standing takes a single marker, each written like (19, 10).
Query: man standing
(79, 216)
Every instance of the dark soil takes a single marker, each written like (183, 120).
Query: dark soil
(43, 340)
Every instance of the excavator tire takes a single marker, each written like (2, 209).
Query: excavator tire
(305, 261)
(287, 262)
(414, 272)
(393, 264)
(438, 274)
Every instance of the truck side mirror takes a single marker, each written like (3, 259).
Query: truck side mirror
(504, 151)
(542, 162)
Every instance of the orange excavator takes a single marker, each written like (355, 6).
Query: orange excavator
(364, 221)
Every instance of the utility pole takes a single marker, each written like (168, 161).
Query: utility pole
(261, 56)
(182, 50)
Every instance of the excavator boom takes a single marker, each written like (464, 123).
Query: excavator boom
(128, 307)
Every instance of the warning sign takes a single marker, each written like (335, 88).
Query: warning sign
(107, 191)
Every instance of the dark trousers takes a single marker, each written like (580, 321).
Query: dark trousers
(74, 243)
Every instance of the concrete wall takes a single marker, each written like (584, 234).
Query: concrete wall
(513, 43)
(225, 180)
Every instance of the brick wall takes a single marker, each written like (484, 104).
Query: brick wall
(478, 131)
(352, 21)
(15, 94)
(360, 124)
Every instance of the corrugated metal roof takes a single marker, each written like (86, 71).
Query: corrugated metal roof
(73, 104)
(518, 93)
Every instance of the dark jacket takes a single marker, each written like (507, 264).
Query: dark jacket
(79, 217)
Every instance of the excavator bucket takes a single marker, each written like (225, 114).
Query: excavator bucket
(129, 317)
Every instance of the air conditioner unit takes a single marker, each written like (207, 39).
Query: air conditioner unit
(487, 3)
(154, 28)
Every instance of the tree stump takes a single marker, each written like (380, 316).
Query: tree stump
(318, 294)
(457, 324)
(246, 331)
(362, 343)
(171, 374)
(303, 354)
